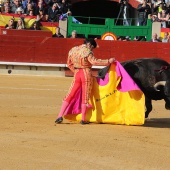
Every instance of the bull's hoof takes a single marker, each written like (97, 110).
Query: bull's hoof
(147, 118)
(167, 106)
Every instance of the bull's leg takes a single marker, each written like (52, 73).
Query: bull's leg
(167, 103)
(148, 104)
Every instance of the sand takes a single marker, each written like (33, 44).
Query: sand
(29, 139)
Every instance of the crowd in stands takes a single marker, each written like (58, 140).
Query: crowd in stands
(45, 10)
(160, 11)
(154, 38)
(156, 10)
(55, 10)
(42, 10)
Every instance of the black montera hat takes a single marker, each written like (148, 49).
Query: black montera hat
(91, 41)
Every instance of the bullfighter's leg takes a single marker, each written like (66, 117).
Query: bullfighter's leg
(62, 110)
(87, 82)
(74, 87)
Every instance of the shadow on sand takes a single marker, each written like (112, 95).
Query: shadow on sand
(157, 123)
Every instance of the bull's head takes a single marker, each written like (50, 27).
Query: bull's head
(166, 88)
(166, 85)
(164, 72)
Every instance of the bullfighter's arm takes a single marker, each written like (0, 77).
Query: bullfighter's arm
(70, 64)
(98, 62)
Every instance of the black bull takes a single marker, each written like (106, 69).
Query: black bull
(152, 75)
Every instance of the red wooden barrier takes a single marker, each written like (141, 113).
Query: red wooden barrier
(40, 49)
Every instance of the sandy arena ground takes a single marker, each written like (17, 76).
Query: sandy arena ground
(29, 140)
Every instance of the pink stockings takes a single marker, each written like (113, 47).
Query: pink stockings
(83, 111)
(63, 109)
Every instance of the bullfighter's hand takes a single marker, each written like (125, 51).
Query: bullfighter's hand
(111, 60)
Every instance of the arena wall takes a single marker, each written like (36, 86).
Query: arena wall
(25, 52)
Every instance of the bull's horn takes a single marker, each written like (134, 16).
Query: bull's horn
(159, 83)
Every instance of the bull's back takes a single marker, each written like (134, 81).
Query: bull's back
(145, 72)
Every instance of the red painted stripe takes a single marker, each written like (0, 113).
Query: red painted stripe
(165, 29)
(16, 15)
(49, 24)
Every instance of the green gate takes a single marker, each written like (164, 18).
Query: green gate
(90, 28)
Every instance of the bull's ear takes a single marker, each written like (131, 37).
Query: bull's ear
(138, 62)
(131, 68)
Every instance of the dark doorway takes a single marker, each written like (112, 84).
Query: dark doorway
(99, 9)
(96, 8)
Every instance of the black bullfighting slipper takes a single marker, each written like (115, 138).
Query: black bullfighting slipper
(84, 122)
(59, 120)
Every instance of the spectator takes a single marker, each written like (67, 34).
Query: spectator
(29, 8)
(163, 18)
(64, 7)
(140, 38)
(161, 6)
(166, 37)
(53, 13)
(120, 38)
(157, 6)
(7, 9)
(35, 26)
(10, 24)
(42, 17)
(127, 38)
(31, 13)
(44, 5)
(69, 13)
(168, 7)
(143, 11)
(19, 11)
(6, 3)
(58, 34)
(125, 9)
(123, 38)
(15, 5)
(74, 34)
(2, 5)
(20, 24)
(154, 18)
(155, 38)
(26, 2)
(38, 7)
(50, 3)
